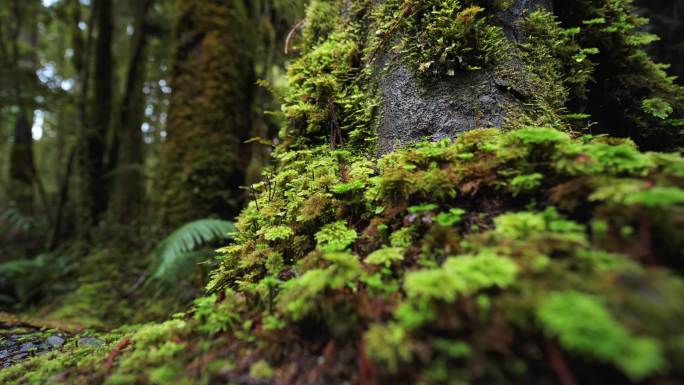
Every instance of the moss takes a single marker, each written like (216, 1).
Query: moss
(629, 76)
(493, 269)
(260, 370)
(521, 251)
(322, 18)
(438, 37)
(579, 321)
(330, 99)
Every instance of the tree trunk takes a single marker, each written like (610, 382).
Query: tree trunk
(203, 158)
(22, 166)
(92, 146)
(442, 107)
(127, 199)
(24, 62)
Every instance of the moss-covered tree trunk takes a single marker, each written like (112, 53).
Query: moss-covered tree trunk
(203, 159)
(479, 255)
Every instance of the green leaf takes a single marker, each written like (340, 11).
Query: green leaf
(450, 218)
(183, 245)
(277, 233)
(385, 256)
(335, 237)
(657, 107)
(422, 208)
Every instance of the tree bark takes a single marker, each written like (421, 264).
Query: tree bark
(203, 158)
(413, 108)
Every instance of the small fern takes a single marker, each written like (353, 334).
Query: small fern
(25, 280)
(12, 220)
(183, 247)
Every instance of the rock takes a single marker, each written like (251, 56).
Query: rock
(28, 347)
(55, 341)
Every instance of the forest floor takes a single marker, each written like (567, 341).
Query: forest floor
(22, 338)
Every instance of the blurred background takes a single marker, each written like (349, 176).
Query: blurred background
(86, 90)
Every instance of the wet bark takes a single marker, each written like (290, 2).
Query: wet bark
(414, 108)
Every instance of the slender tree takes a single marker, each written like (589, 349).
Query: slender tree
(23, 62)
(128, 191)
(92, 146)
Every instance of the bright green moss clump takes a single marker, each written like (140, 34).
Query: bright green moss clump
(427, 295)
(579, 321)
(440, 37)
(434, 267)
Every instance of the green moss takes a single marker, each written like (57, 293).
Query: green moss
(481, 268)
(388, 344)
(330, 99)
(440, 37)
(579, 321)
(385, 256)
(441, 256)
(277, 233)
(335, 237)
(322, 18)
(261, 370)
(657, 107)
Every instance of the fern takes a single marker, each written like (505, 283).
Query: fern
(24, 280)
(12, 220)
(183, 246)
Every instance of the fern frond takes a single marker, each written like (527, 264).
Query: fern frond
(181, 247)
(11, 219)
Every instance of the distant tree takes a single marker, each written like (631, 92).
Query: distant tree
(19, 37)
(128, 188)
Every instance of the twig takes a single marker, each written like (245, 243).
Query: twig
(559, 365)
(254, 196)
(291, 34)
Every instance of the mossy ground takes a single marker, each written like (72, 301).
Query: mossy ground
(520, 255)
